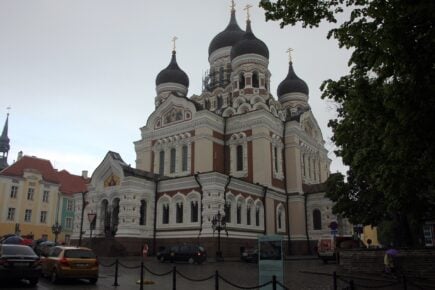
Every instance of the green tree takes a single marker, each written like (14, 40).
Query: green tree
(385, 125)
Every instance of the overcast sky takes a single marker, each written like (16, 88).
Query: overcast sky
(79, 75)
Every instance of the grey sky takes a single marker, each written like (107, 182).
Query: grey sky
(80, 75)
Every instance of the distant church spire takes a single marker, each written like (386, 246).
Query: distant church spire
(4, 144)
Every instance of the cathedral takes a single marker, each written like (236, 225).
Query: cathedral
(235, 156)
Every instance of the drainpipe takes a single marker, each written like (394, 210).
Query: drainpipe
(156, 187)
(264, 207)
(306, 224)
(202, 196)
(289, 243)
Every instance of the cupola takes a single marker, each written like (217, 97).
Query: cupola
(292, 88)
(249, 44)
(172, 78)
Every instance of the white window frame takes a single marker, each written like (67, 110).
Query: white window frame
(68, 222)
(30, 193)
(28, 215)
(11, 214)
(69, 205)
(235, 141)
(14, 191)
(45, 196)
(43, 217)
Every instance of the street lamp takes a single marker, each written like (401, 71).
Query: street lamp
(56, 229)
(91, 219)
(219, 224)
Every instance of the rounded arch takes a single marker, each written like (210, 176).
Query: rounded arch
(228, 112)
(239, 101)
(263, 106)
(317, 219)
(244, 108)
(280, 218)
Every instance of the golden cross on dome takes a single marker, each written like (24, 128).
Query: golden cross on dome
(233, 5)
(289, 51)
(247, 9)
(173, 41)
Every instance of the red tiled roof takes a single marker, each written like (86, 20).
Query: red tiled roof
(70, 183)
(42, 166)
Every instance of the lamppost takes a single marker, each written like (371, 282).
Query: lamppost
(219, 224)
(91, 218)
(56, 229)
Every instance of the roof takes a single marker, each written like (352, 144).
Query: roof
(172, 73)
(292, 84)
(70, 183)
(231, 34)
(41, 166)
(249, 44)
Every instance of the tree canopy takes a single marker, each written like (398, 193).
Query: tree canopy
(385, 124)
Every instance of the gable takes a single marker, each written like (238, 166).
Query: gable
(110, 171)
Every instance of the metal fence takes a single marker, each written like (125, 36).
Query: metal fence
(218, 279)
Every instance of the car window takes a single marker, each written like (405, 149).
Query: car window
(11, 250)
(79, 253)
(54, 252)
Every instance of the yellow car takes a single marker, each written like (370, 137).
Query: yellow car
(70, 263)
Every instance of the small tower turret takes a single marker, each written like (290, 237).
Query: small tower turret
(4, 145)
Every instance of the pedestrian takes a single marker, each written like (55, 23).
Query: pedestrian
(389, 263)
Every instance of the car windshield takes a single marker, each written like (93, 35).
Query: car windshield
(81, 254)
(18, 250)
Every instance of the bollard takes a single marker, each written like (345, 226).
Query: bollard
(174, 278)
(334, 281)
(274, 282)
(115, 283)
(351, 285)
(216, 280)
(141, 275)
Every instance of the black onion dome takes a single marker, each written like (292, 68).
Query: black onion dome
(172, 74)
(292, 84)
(249, 44)
(228, 37)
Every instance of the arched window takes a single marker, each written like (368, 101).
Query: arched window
(228, 212)
(248, 215)
(173, 157)
(184, 158)
(193, 211)
(165, 216)
(239, 213)
(219, 102)
(143, 212)
(162, 162)
(241, 81)
(317, 219)
(275, 153)
(221, 76)
(239, 158)
(257, 216)
(255, 80)
(279, 219)
(179, 212)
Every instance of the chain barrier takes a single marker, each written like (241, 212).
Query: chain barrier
(194, 280)
(242, 287)
(108, 265)
(157, 274)
(129, 267)
(377, 286)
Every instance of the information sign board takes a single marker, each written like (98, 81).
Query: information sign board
(271, 260)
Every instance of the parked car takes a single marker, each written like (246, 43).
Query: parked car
(328, 248)
(188, 253)
(43, 248)
(249, 255)
(19, 262)
(70, 263)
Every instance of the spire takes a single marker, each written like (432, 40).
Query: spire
(4, 144)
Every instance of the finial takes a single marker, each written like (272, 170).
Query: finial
(289, 51)
(233, 5)
(173, 41)
(247, 10)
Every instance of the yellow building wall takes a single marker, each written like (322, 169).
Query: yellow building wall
(21, 204)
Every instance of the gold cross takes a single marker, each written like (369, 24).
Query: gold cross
(289, 51)
(247, 9)
(173, 41)
(233, 5)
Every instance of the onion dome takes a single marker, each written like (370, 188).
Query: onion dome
(249, 44)
(172, 74)
(232, 34)
(292, 84)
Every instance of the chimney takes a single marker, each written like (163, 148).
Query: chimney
(84, 174)
(20, 155)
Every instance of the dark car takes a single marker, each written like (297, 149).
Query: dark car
(44, 247)
(249, 255)
(19, 262)
(188, 253)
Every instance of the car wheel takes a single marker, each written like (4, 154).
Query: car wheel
(162, 259)
(191, 260)
(33, 281)
(54, 278)
(93, 280)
